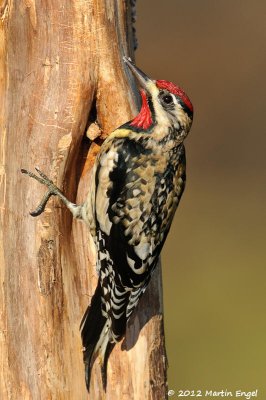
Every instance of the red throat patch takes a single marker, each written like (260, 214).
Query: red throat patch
(175, 90)
(144, 118)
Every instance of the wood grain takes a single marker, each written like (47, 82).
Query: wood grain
(61, 70)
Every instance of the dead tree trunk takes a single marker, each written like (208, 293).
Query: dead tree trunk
(61, 70)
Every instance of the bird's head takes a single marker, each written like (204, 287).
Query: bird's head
(164, 104)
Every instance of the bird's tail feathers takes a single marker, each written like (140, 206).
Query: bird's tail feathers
(95, 338)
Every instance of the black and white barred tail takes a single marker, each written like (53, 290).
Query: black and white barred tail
(95, 338)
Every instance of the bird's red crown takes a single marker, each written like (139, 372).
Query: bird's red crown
(172, 88)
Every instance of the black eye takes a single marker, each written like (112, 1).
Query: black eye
(168, 99)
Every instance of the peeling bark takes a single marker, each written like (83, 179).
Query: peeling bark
(61, 70)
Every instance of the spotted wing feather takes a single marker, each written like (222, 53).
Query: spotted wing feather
(137, 192)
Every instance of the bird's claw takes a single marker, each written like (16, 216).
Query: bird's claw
(44, 180)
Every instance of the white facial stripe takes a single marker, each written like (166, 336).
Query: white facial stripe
(174, 98)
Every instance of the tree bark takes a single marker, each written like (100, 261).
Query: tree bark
(61, 70)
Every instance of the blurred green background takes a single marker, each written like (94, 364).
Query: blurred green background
(214, 261)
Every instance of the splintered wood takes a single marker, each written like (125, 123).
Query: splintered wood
(58, 61)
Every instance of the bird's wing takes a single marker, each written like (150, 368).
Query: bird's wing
(134, 207)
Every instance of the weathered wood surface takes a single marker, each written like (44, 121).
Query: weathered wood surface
(60, 68)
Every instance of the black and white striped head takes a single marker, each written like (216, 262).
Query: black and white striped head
(163, 103)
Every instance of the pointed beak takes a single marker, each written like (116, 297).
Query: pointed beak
(144, 81)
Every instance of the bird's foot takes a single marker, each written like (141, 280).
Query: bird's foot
(52, 190)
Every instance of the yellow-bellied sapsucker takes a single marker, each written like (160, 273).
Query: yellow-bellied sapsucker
(136, 184)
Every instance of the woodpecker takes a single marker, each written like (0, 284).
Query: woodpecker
(135, 187)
